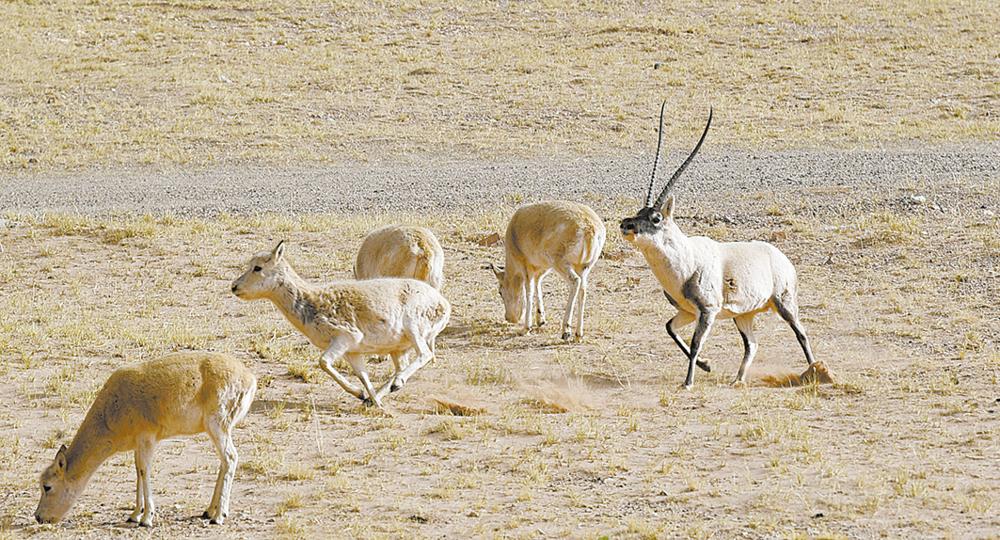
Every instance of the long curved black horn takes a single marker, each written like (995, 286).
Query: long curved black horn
(677, 174)
(656, 160)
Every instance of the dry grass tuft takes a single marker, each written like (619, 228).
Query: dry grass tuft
(443, 405)
(817, 373)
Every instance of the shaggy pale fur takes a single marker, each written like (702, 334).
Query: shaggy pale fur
(401, 251)
(177, 395)
(353, 319)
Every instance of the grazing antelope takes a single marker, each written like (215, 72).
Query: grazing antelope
(139, 406)
(401, 251)
(386, 316)
(707, 280)
(556, 235)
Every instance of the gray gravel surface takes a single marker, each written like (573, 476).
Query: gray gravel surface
(443, 185)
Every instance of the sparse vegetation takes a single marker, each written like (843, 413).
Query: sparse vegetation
(899, 300)
(290, 81)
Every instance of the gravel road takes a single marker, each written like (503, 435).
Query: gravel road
(441, 185)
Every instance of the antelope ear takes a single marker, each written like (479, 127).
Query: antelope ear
(279, 251)
(61, 458)
(668, 207)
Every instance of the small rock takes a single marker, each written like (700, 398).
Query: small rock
(917, 199)
(491, 239)
(989, 213)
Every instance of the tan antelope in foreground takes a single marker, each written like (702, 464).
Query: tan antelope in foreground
(708, 280)
(401, 251)
(139, 406)
(353, 319)
(556, 235)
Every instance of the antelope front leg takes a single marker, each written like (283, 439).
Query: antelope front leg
(338, 346)
(144, 451)
(139, 482)
(539, 306)
(705, 320)
(679, 321)
(529, 300)
(358, 364)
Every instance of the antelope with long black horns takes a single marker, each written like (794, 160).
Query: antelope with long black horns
(707, 280)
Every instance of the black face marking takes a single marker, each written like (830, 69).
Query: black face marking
(304, 309)
(646, 221)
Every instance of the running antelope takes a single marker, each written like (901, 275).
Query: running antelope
(177, 395)
(707, 280)
(353, 319)
(401, 251)
(556, 235)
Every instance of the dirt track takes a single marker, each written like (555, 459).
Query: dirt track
(440, 185)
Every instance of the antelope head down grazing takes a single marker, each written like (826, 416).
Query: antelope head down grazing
(707, 280)
(554, 235)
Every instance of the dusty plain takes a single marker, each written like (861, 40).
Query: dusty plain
(147, 149)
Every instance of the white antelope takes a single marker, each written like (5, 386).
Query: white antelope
(353, 319)
(555, 235)
(139, 406)
(401, 251)
(707, 280)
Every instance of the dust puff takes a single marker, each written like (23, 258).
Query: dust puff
(817, 373)
(443, 405)
(557, 396)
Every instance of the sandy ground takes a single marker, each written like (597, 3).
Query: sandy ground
(898, 257)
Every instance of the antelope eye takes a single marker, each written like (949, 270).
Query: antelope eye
(656, 219)
(257, 269)
(47, 488)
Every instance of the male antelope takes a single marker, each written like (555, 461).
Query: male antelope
(401, 251)
(707, 280)
(387, 316)
(139, 406)
(556, 235)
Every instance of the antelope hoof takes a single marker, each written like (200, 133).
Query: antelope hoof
(397, 384)
(739, 383)
(566, 336)
(217, 521)
(686, 386)
(146, 523)
(204, 515)
(540, 324)
(132, 519)
(704, 366)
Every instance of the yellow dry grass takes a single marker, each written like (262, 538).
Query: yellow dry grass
(291, 81)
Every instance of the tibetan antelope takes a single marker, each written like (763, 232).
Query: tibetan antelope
(139, 406)
(353, 319)
(401, 251)
(707, 280)
(556, 235)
